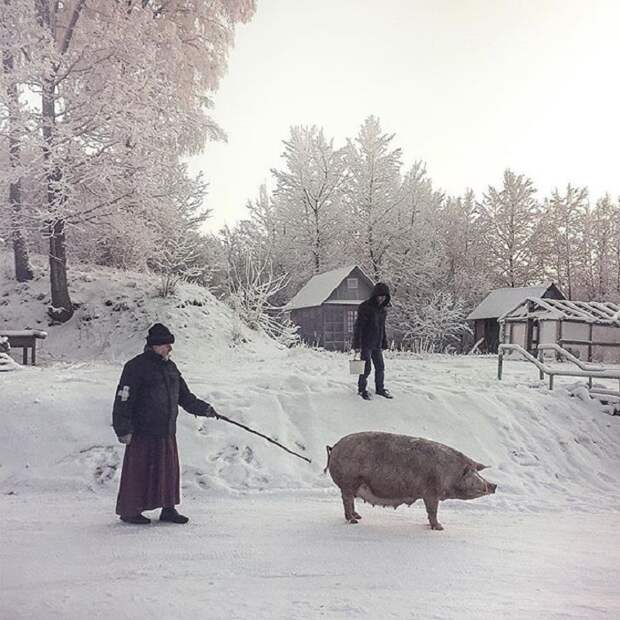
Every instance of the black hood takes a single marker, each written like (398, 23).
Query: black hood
(381, 289)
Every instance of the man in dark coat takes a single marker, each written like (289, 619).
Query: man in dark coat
(369, 338)
(144, 419)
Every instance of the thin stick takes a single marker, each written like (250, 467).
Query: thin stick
(247, 428)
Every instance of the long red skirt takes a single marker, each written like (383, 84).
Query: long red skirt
(150, 476)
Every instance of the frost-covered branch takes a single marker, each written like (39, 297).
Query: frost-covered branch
(251, 287)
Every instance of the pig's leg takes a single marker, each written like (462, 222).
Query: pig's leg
(349, 507)
(431, 504)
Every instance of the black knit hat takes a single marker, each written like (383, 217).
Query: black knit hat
(159, 334)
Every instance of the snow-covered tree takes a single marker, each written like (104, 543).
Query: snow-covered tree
(616, 249)
(307, 198)
(16, 48)
(252, 286)
(563, 222)
(603, 248)
(177, 243)
(435, 325)
(264, 229)
(439, 254)
(373, 196)
(414, 259)
(509, 221)
(463, 249)
(123, 86)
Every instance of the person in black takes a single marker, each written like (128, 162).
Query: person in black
(369, 338)
(144, 419)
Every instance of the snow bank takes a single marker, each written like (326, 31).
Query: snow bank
(545, 449)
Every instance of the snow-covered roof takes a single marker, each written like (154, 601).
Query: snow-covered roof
(319, 288)
(595, 312)
(12, 333)
(344, 302)
(502, 300)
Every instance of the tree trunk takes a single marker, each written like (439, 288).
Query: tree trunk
(23, 271)
(511, 271)
(618, 253)
(371, 253)
(317, 241)
(61, 309)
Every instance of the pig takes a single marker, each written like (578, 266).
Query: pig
(390, 470)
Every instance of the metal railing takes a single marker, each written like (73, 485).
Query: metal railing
(589, 371)
(570, 357)
(563, 353)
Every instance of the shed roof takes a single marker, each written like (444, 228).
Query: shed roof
(320, 287)
(502, 300)
(595, 312)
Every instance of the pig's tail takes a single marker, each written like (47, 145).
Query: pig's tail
(329, 451)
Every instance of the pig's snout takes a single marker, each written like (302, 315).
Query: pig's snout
(491, 487)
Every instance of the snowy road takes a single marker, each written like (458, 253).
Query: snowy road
(292, 556)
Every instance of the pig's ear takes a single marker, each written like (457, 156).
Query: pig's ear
(480, 466)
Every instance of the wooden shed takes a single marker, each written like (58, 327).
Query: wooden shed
(589, 330)
(326, 307)
(485, 316)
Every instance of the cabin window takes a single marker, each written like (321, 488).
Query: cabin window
(349, 321)
(352, 283)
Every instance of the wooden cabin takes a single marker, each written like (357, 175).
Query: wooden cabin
(325, 308)
(485, 316)
(589, 330)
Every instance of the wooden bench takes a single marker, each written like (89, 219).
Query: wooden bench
(25, 339)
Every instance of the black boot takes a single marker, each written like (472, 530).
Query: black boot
(364, 394)
(172, 516)
(138, 519)
(383, 392)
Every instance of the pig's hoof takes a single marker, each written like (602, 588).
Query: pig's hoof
(436, 526)
(352, 520)
(356, 516)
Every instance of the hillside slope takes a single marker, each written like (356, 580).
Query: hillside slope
(114, 310)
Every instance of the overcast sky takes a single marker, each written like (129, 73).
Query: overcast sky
(469, 86)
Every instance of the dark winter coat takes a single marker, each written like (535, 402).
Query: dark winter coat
(147, 397)
(369, 330)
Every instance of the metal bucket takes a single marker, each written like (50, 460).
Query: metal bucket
(356, 367)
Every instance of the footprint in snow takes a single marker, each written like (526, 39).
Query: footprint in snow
(101, 462)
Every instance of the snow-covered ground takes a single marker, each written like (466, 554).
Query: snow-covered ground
(267, 537)
(291, 556)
